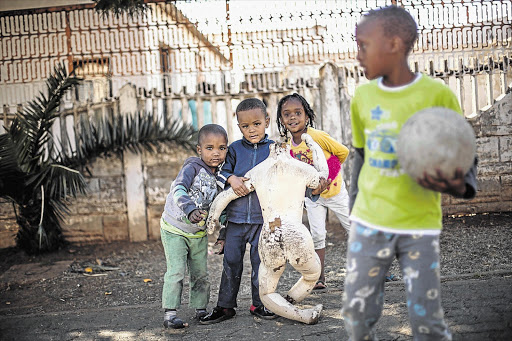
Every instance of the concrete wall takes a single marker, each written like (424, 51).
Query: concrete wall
(493, 128)
(103, 215)
(8, 226)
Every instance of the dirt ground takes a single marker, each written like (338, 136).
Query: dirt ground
(128, 275)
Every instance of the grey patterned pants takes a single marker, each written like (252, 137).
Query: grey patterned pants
(369, 256)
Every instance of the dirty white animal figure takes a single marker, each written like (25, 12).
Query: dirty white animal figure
(280, 182)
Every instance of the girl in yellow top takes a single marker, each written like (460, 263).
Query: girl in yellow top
(294, 115)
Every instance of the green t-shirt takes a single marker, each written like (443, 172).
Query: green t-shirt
(388, 199)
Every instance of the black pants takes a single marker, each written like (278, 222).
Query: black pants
(237, 237)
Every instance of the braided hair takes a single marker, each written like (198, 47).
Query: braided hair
(307, 109)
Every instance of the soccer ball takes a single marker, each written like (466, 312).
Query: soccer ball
(436, 138)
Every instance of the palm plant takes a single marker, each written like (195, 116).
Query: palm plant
(39, 177)
(118, 7)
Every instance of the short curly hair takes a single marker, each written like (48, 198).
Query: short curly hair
(396, 21)
(251, 103)
(208, 129)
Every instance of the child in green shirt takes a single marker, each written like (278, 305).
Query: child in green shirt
(392, 214)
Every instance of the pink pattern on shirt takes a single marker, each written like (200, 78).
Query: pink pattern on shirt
(334, 167)
(333, 163)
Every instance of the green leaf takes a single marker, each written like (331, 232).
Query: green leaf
(41, 177)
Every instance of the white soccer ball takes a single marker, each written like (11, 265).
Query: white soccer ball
(436, 138)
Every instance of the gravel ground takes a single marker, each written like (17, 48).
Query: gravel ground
(473, 244)
(132, 273)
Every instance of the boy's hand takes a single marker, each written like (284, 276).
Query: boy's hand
(237, 183)
(220, 242)
(324, 184)
(443, 184)
(197, 215)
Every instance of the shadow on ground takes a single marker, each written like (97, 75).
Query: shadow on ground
(112, 292)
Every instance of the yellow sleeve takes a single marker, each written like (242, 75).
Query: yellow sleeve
(330, 145)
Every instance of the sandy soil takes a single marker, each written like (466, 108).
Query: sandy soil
(132, 273)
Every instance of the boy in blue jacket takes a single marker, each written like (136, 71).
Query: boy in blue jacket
(244, 218)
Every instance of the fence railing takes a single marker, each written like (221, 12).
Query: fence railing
(208, 103)
(477, 85)
(477, 82)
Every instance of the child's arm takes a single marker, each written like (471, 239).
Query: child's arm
(314, 194)
(322, 187)
(180, 189)
(237, 183)
(357, 164)
(460, 186)
(220, 242)
(227, 176)
(358, 143)
(197, 215)
(329, 144)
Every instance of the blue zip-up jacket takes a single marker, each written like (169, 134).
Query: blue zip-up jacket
(243, 156)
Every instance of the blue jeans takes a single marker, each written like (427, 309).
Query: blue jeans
(237, 237)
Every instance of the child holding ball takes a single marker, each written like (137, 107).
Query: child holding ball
(392, 214)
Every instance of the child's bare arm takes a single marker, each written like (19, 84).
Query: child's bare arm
(357, 164)
(237, 183)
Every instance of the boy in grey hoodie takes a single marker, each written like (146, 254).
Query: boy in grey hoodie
(183, 225)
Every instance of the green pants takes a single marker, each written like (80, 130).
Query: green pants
(182, 252)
